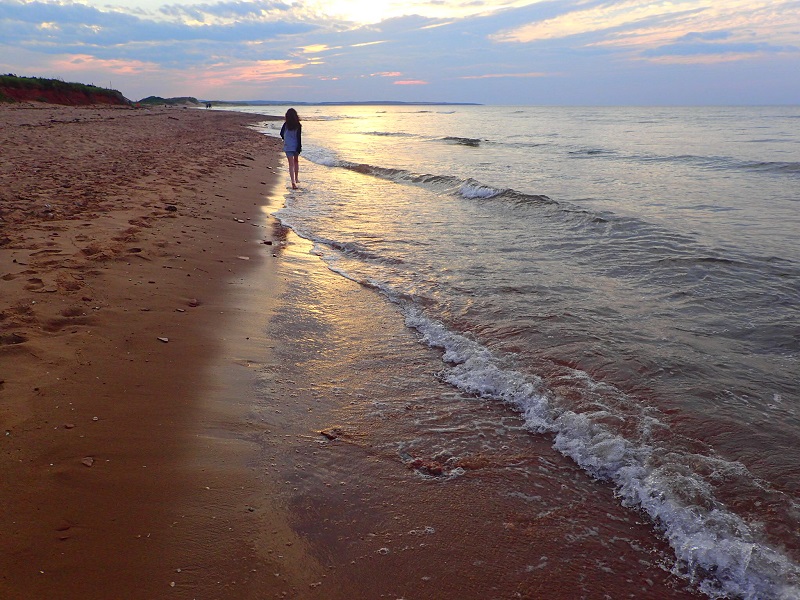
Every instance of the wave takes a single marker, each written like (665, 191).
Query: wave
(590, 152)
(773, 167)
(467, 188)
(388, 133)
(715, 548)
(620, 233)
(716, 163)
(722, 163)
(656, 254)
(462, 141)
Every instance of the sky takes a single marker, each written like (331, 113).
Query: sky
(506, 52)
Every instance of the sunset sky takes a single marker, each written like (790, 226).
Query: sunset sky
(564, 52)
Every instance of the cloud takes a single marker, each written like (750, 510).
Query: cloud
(705, 36)
(315, 48)
(696, 52)
(227, 11)
(660, 31)
(256, 72)
(76, 63)
(80, 25)
(484, 51)
(362, 44)
(576, 19)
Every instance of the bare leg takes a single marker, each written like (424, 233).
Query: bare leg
(297, 169)
(292, 174)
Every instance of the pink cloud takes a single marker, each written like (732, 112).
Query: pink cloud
(255, 72)
(86, 62)
(410, 82)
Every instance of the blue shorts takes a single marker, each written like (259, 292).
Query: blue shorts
(291, 154)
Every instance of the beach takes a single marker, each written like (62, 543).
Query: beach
(126, 238)
(195, 406)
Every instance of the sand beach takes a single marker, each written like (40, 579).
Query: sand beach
(126, 235)
(183, 417)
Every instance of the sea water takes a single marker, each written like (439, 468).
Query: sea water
(627, 279)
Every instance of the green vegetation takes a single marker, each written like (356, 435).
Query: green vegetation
(169, 101)
(11, 81)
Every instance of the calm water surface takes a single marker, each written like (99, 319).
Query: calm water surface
(627, 279)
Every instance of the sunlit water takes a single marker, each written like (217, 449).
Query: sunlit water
(627, 279)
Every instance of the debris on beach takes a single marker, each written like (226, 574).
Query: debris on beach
(88, 461)
(332, 433)
(163, 339)
(432, 468)
(428, 467)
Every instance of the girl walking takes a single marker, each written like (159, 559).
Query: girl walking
(292, 143)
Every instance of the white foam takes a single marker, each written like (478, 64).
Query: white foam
(715, 549)
(471, 190)
(322, 156)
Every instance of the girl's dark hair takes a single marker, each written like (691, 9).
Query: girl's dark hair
(292, 120)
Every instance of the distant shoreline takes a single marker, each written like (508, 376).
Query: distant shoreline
(354, 103)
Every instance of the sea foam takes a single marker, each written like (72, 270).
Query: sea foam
(715, 549)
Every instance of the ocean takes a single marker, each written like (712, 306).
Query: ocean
(623, 280)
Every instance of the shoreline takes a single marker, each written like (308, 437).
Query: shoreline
(269, 446)
(129, 239)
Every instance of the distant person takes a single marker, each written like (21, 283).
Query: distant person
(292, 143)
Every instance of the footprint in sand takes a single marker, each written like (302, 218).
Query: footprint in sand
(10, 339)
(34, 283)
